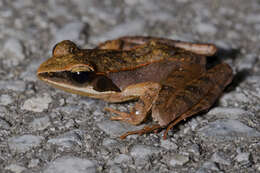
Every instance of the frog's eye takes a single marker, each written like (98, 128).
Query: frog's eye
(64, 48)
(82, 77)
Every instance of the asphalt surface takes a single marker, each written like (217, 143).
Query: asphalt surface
(43, 129)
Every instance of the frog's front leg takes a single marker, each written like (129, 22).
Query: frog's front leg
(147, 93)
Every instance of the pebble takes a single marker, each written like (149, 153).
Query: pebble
(108, 142)
(4, 124)
(243, 157)
(13, 52)
(12, 85)
(167, 144)
(178, 159)
(5, 100)
(33, 163)
(234, 97)
(226, 129)
(121, 158)
(205, 28)
(115, 169)
(217, 158)
(40, 123)
(230, 113)
(257, 166)
(69, 139)
(252, 18)
(195, 149)
(68, 164)
(208, 167)
(116, 128)
(24, 143)
(15, 168)
(37, 104)
(143, 152)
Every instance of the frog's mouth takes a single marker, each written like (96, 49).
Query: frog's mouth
(83, 81)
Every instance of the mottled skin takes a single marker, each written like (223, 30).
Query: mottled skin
(166, 77)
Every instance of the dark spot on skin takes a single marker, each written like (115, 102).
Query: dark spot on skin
(193, 89)
(186, 99)
(205, 79)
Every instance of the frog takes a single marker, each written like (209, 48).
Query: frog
(167, 78)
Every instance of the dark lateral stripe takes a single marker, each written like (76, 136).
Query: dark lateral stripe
(205, 79)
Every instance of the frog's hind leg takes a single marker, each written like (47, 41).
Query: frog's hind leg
(225, 77)
(203, 105)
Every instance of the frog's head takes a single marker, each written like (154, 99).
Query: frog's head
(67, 69)
(66, 56)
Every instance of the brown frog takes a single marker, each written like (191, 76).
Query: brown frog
(167, 78)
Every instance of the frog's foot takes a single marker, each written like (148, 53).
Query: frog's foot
(146, 129)
(132, 118)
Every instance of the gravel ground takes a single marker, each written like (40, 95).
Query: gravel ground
(43, 129)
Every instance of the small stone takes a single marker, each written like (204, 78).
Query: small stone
(234, 97)
(69, 139)
(115, 128)
(5, 100)
(13, 51)
(210, 165)
(15, 168)
(193, 123)
(216, 157)
(121, 158)
(230, 113)
(71, 164)
(115, 169)
(4, 124)
(243, 157)
(257, 167)
(205, 28)
(108, 142)
(33, 163)
(226, 129)
(40, 123)
(195, 149)
(143, 151)
(12, 85)
(37, 104)
(168, 145)
(24, 143)
(178, 159)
